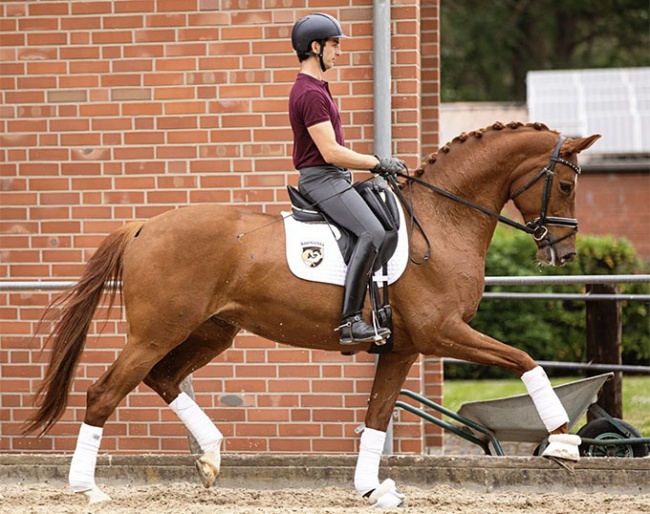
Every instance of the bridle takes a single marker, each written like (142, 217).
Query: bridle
(537, 228)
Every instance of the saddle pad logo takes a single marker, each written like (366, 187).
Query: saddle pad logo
(312, 253)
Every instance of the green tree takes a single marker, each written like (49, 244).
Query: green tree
(488, 47)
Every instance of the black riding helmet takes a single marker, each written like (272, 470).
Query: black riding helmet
(314, 27)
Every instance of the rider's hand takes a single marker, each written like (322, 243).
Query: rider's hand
(389, 166)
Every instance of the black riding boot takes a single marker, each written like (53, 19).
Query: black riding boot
(353, 328)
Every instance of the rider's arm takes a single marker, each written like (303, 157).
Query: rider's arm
(323, 135)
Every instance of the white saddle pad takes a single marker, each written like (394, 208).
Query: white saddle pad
(313, 252)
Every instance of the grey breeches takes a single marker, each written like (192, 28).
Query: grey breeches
(330, 188)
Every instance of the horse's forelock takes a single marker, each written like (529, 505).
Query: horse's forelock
(431, 159)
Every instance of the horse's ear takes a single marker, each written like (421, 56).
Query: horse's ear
(575, 146)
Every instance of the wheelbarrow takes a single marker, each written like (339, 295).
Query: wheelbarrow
(515, 419)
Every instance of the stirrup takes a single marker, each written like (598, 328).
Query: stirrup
(347, 333)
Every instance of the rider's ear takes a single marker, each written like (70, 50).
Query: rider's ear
(315, 47)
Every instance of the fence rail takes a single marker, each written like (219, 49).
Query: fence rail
(565, 279)
(583, 366)
(54, 285)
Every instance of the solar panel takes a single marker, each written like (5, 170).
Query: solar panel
(614, 102)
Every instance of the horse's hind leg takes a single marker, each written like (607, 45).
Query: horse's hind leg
(203, 345)
(132, 365)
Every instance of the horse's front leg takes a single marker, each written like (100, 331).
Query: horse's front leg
(389, 377)
(460, 341)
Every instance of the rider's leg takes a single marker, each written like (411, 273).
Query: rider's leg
(353, 328)
(330, 189)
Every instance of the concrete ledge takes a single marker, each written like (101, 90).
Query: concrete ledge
(478, 473)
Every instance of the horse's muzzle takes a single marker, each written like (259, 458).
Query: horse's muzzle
(553, 255)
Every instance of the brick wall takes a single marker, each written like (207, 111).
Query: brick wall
(120, 110)
(616, 204)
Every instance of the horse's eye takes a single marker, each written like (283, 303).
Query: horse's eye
(566, 187)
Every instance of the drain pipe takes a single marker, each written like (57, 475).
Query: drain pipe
(381, 69)
(382, 107)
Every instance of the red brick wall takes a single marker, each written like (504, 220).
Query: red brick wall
(120, 110)
(616, 204)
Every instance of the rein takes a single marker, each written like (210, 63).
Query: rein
(537, 228)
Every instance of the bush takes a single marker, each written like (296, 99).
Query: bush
(555, 329)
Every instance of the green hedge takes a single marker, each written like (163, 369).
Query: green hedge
(555, 329)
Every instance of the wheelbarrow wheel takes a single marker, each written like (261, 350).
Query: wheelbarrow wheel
(602, 429)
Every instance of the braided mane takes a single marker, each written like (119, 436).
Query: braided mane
(513, 125)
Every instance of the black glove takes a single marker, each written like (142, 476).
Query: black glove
(389, 166)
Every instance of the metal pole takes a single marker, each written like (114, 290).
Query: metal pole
(624, 368)
(52, 285)
(382, 77)
(566, 279)
(382, 108)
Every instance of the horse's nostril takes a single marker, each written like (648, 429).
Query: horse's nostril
(569, 257)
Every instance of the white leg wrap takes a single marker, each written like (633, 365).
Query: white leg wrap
(84, 460)
(366, 474)
(197, 422)
(546, 402)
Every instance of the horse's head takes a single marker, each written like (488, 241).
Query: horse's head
(552, 220)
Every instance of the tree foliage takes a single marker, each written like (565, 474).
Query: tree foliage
(488, 47)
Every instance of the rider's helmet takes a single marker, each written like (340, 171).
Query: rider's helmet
(314, 27)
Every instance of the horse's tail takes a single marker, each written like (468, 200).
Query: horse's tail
(78, 307)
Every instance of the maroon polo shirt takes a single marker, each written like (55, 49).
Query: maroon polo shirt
(311, 102)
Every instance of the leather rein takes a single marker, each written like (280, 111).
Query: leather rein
(537, 228)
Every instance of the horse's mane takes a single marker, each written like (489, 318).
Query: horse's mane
(477, 134)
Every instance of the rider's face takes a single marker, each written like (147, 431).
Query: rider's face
(331, 52)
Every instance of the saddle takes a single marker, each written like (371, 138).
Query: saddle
(385, 208)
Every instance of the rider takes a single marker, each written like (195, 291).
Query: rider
(320, 154)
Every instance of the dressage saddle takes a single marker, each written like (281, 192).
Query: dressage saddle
(384, 206)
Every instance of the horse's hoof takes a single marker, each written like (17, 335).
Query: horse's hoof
(569, 465)
(208, 467)
(96, 495)
(563, 447)
(386, 496)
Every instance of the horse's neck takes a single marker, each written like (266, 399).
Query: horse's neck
(483, 180)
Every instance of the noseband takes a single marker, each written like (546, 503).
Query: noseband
(538, 227)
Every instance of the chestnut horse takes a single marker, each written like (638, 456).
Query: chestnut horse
(192, 278)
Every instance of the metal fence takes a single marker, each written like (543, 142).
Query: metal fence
(54, 285)
(567, 280)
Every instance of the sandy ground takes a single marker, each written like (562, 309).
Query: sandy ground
(183, 498)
